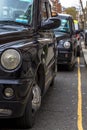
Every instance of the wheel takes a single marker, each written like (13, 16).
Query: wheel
(85, 46)
(52, 82)
(78, 51)
(58, 67)
(33, 104)
(71, 67)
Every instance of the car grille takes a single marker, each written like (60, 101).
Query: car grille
(64, 56)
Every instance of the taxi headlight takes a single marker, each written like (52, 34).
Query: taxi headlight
(67, 45)
(10, 59)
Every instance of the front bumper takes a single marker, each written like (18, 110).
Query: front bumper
(14, 106)
(64, 57)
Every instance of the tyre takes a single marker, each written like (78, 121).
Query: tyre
(78, 51)
(33, 104)
(52, 82)
(71, 67)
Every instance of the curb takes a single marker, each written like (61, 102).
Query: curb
(84, 52)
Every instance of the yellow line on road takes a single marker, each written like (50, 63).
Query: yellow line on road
(79, 111)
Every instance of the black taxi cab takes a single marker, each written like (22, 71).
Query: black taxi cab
(27, 57)
(67, 43)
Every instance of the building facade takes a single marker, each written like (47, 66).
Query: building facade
(56, 6)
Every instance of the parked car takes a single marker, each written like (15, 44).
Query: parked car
(67, 42)
(27, 57)
(78, 37)
(85, 37)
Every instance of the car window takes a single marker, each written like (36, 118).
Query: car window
(49, 10)
(18, 10)
(43, 11)
(64, 27)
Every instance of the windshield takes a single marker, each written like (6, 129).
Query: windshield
(64, 27)
(16, 10)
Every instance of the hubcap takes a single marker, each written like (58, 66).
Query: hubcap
(36, 100)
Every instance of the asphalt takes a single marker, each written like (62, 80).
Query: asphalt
(84, 52)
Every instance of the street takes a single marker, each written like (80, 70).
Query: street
(64, 107)
(35, 37)
(59, 107)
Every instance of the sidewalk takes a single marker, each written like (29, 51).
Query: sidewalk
(84, 51)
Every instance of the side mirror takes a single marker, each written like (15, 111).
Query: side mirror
(51, 23)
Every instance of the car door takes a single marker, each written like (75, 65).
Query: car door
(47, 42)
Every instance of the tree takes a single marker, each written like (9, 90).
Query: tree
(72, 11)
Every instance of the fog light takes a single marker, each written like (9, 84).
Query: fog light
(8, 92)
(5, 112)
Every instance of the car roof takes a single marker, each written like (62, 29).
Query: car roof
(61, 15)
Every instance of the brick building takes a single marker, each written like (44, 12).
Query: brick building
(56, 6)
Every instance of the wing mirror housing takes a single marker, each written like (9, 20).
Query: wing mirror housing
(51, 23)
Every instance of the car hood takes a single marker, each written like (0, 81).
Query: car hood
(12, 35)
